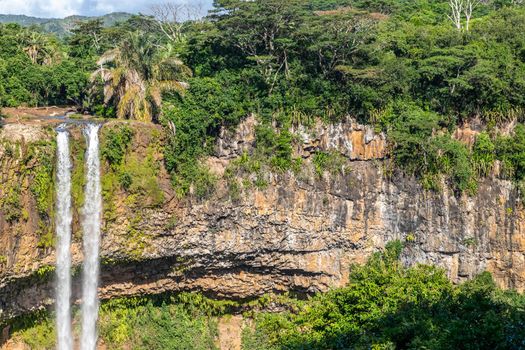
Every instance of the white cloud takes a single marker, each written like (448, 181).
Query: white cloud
(63, 8)
(41, 8)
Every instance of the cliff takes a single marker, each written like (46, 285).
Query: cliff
(257, 233)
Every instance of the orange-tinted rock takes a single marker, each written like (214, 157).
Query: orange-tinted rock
(300, 233)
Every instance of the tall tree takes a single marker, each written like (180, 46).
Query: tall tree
(40, 49)
(136, 73)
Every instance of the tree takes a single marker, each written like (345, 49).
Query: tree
(262, 31)
(334, 36)
(39, 48)
(136, 74)
(470, 5)
(456, 10)
(170, 18)
(86, 38)
(459, 8)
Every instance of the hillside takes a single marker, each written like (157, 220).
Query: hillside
(61, 26)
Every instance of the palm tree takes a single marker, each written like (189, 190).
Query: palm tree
(136, 74)
(40, 49)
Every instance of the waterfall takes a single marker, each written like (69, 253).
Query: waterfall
(91, 226)
(63, 231)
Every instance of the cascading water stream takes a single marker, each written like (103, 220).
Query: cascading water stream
(91, 226)
(63, 231)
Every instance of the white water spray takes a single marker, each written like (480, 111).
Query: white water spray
(91, 226)
(63, 231)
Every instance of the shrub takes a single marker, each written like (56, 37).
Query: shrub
(333, 162)
(116, 143)
(276, 146)
(140, 177)
(389, 306)
(422, 148)
(483, 154)
(511, 151)
(156, 324)
(11, 204)
(42, 183)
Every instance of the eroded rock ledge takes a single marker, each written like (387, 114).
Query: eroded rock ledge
(301, 233)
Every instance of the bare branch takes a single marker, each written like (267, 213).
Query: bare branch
(457, 7)
(470, 5)
(170, 17)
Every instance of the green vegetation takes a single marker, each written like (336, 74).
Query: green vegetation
(332, 162)
(511, 150)
(384, 306)
(252, 169)
(35, 169)
(131, 171)
(135, 239)
(138, 76)
(150, 324)
(388, 306)
(36, 330)
(116, 143)
(45, 271)
(403, 67)
(483, 154)
(419, 150)
(39, 161)
(406, 68)
(11, 204)
(42, 182)
(61, 27)
(183, 321)
(35, 70)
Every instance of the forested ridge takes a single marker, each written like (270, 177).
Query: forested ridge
(414, 70)
(61, 26)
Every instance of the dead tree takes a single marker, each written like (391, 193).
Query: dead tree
(170, 17)
(470, 5)
(456, 10)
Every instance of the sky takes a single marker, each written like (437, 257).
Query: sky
(64, 8)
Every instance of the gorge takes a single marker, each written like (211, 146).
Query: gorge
(301, 233)
(274, 175)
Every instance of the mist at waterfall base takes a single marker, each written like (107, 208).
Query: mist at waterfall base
(91, 219)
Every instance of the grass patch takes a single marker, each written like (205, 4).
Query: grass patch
(331, 162)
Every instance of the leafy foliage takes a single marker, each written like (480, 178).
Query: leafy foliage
(511, 150)
(35, 70)
(136, 173)
(115, 144)
(402, 66)
(184, 321)
(389, 306)
(137, 76)
(156, 325)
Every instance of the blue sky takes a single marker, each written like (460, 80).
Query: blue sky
(63, 8)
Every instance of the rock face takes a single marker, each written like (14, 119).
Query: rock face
(300, 233)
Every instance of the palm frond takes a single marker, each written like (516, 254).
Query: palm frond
(103, 73)
(156, 95)
(172, 86)
(108, 56)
